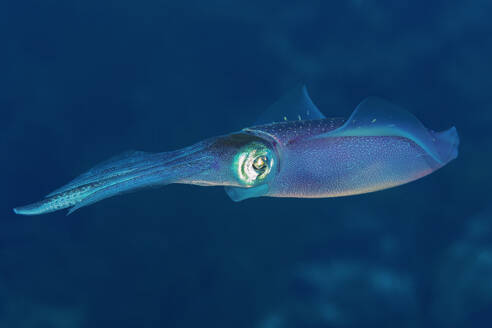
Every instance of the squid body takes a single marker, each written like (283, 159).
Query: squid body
(293, 151)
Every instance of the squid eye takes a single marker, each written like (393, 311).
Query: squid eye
(260, 163)
(253, 164)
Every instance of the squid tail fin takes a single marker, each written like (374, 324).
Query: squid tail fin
(447, 142)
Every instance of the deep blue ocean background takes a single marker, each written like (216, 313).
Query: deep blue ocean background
(81, 81)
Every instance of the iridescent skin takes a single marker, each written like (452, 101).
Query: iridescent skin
(379, 146)
(341, 166)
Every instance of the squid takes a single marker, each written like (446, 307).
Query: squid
(293, 150)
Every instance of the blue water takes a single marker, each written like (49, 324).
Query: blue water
(81, 81)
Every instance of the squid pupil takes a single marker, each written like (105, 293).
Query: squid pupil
(260, 163)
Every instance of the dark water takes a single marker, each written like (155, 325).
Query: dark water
(81, 81)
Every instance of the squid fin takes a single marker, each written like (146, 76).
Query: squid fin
(294, 105)
(378, 117)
